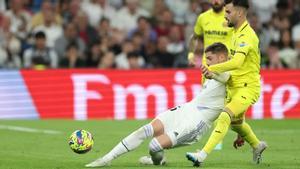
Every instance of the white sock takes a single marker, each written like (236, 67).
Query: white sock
(156, 151)
(130, 142)
(203, 154)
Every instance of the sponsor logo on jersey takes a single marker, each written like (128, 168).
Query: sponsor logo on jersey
(215, 32)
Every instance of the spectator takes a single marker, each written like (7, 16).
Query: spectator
(159, 7)
(178, 8)
(20, 19)
(52, 30)
(104, 28)
(10, 46)
(145, 29)
(86, 32)
(296, 37)
(138, 43)
(69, 10)
(287, 53)
(46, 8)
(176, 45)
(72, 58)
(164, 23)
(264, 9)
(128, 16)
(165, 59)
(97, 9)
(121, 59)
(94, 55)
(150, 59)
(70, 36)
(134, 60)
(107, 61)
(40, 55)
(274, 61)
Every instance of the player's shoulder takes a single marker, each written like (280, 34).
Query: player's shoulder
(206, 14)
(246, 34)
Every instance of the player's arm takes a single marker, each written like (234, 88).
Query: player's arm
(234, 63)
(222, 77)
(195, 39)
(237, 59)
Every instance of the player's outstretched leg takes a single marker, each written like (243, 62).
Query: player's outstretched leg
(129, 143)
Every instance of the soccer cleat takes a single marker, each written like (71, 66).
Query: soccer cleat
(257, 152)
(98, 163)
(195, 158)
(145, 160)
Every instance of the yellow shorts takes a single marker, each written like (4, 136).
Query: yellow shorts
(239, 100)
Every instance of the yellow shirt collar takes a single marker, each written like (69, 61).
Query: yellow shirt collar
(244, 25)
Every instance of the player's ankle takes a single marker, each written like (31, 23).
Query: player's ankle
(203, 154)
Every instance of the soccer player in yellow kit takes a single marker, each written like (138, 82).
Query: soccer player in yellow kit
(211, 28)
(243, 87)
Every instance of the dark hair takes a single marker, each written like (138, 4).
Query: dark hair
(133, 54)
(72, 45)
(142, 18)
(240, 3)
(104, 19)
(40, 35)
(217, 48)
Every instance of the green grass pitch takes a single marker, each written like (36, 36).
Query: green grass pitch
(25, 150)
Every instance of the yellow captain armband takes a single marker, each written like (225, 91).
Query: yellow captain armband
(190, 56)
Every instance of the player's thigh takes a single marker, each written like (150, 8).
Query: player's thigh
(239, 103)
(166, 121)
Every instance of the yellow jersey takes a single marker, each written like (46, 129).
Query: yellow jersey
(212, 27)
(244, 64)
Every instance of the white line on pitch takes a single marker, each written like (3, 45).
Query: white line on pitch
(29, 130)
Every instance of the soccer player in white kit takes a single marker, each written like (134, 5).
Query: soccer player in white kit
(182, 125)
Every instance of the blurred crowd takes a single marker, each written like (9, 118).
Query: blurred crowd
(130, 34)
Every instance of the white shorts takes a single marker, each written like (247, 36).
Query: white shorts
(186, 124)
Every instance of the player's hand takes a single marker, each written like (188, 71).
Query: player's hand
(238, 142)
(191, 59)
(208, 74)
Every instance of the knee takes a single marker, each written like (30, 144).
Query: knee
(224, 117)
(155, 146)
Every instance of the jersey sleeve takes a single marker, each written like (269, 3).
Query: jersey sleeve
(223, 77)
(243, 45)
(242, 49)
(198, 30)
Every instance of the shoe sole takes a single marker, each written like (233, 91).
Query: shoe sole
(192, 159)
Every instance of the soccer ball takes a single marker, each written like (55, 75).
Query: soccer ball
(81, 141)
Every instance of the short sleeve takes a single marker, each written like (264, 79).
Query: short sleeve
(243, 45)
(198, 30)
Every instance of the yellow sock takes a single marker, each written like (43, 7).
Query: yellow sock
(219, 145)
(219, 132)
(246, 132)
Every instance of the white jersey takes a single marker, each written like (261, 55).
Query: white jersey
(212, 95)
(187, 123)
